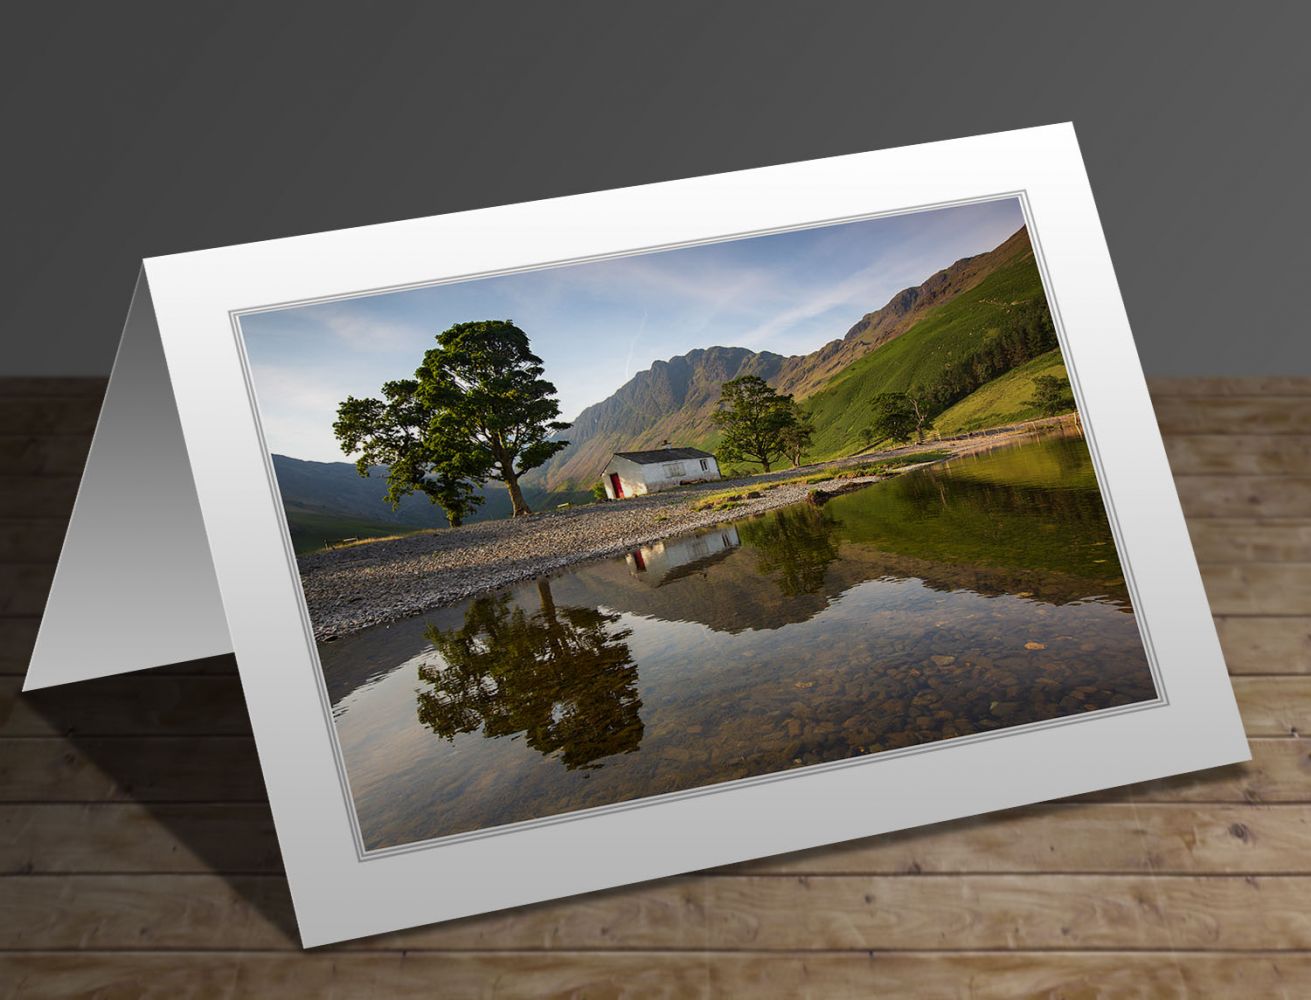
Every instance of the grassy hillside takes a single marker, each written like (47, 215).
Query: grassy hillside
(311, 530)
(1004, 400)
(949, 334)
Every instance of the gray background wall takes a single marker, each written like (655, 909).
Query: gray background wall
(137, 129)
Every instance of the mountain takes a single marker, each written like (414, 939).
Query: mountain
(942, 339)
(803, 375)
(328, 501)
(674, 399)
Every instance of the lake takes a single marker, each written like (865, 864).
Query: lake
(958, 599)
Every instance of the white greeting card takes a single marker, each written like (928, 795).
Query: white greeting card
(575, 543)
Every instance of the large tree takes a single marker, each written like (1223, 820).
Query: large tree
(754, 419)
(476, 409)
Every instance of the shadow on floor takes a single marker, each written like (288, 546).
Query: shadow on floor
(177, 741)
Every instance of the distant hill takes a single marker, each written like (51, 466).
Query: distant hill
(329, 501)
(674, 399)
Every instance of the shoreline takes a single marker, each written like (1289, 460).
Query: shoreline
(375, 583)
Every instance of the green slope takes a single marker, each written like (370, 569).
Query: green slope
(1004, 400)
(948, 334)
(311, 530)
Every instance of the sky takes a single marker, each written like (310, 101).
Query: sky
(597, 324)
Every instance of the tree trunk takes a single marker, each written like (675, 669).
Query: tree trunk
(764, 462)
(516, 495)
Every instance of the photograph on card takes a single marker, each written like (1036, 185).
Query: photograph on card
(583, 535)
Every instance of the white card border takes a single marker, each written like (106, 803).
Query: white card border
(337, 895)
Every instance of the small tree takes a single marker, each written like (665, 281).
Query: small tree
(1051, 395)
(753, 418)
(922, 421)
(598, 492)
(894, 417)
(797, 435)
(476, 409)
(866, 437)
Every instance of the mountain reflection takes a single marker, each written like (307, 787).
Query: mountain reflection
(562, 676)
(794, 547)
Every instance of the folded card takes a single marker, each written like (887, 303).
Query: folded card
(575, 543)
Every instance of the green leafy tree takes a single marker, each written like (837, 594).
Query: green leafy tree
(392, 432)
(754, 419)
(797, 435)
(866, 437)
(1051, 395)
(894, 416)
(476, 409)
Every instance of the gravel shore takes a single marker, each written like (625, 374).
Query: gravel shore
(352, 588)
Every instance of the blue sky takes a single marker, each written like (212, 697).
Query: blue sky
(596, 325)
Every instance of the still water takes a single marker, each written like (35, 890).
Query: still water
(959, 599)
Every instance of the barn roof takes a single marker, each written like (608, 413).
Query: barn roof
(662, 455)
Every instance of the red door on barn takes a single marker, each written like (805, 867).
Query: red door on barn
(617, 485)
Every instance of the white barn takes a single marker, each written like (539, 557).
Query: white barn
(632, 473)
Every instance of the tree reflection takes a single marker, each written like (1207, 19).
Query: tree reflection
(562, 676)
(794, 545)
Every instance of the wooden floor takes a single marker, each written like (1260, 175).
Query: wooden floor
(139, 857)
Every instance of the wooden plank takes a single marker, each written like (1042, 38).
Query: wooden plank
(28, 387)
(1229, 385)
(1242, 540)
(1279, 771)
(42, 454)
(1244, 496)
(38, 496)
(49, 415)
(142, 704)
(36, 455)
(31, 540)
(1239, 454)
(1274, 706)
(128, 837)
(17, 638)
(1258, 588)
(226, 769)
(1081, 838)
(759, 913)
(1066, 974)
(1261, 645)
(1233, 415)
(1009, 912)
(667, 974)
(24, 587)
(153, 704)
(209, 769)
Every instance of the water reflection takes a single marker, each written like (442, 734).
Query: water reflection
(563, 677)
(962, 599)
(672, 559)
(794, 547)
